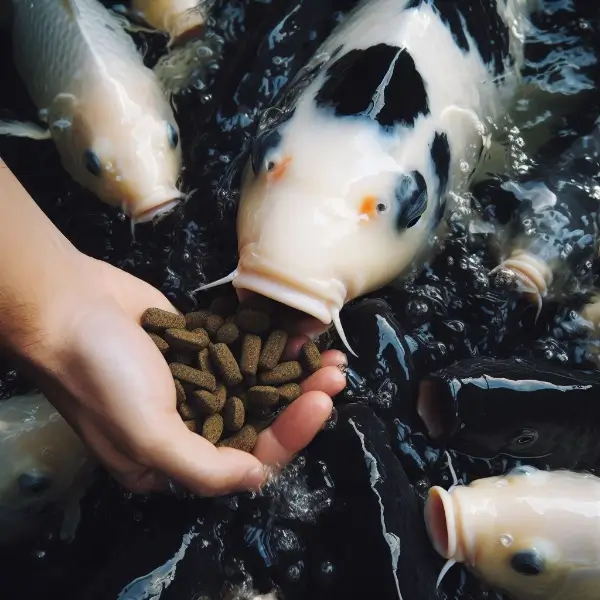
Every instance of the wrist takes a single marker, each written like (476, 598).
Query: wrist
(35, 306)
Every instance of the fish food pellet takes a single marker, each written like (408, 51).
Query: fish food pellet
(187, 340)
(234, 414)
(160, 343)
(263, 396)
(245, 439)
(204, 361)
(158, 320)
(187, 412)
(253, 321)
(226, 364)
(228, 333)
(310, 357)
(196, 320)
(207, 403)
(212, 429)
(273, 349)
(181, 396)
(213, 324)
(250, 354)
(193, 376)
(284, 372)
(289, 392)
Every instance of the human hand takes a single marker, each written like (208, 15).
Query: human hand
(100, 369)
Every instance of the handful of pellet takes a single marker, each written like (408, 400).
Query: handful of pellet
(227, 365)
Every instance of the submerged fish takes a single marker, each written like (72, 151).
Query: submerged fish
(552, 238)
(489, 407)
(533, 534)
(350, 171)
(111, 121)
(43, 464)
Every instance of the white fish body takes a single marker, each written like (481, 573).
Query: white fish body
(532, 534)
(111, 121)
(350, 171)
(43, 463)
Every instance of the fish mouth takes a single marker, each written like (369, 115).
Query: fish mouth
(154, 208)
(322, 299)
(296, 293)
(440, 522)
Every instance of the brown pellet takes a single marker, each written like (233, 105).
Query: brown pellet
(196, 319)
(273, 349)
(284, 372)
(258, 302)
(253, 321)
(234, 414)
(185, 357)
(221, 394)
(228, 333)
(181, 396)
(160, 342)
(158, 320)
(213, 323)
(194, 376)
(187, 411)
(212, 428)
(191, 425)
(245, 439)
(207, 403)
(250, 354)
(204, 361)
(289, 392)
(224, 305)
(310, 357)
(262, 396)
(187, 340)
(225, 363)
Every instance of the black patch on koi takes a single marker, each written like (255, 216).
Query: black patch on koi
(413, 4)
(480, 20)
(411, 195)
(440, 155)
(380, 82)
(263, 144)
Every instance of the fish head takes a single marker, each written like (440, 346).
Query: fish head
(525, 533)
(123, 146)
(40, 455)
(329, 212)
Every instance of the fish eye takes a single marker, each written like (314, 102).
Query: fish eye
(33, 482)
(411, 195)
(381, 207)
(523, 470)
(92, 162)
(527, 562)
(173, 135)
(526, 438)
(263, 144)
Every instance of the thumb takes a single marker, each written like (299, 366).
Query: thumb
(203, 468)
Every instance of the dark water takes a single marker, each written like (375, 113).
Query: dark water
(345, 521)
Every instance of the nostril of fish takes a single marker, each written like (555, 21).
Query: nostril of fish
(34, 483)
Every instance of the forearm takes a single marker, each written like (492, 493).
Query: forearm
(37, 264)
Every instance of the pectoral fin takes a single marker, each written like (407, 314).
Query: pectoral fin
(24, 129)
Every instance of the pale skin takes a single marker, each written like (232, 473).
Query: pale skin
(73, 325)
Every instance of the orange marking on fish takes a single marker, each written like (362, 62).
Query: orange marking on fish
(368, 207)
(278, 171)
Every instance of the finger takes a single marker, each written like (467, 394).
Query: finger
(201, 467)
(334, 358)
(329, 380)
(294, 429)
